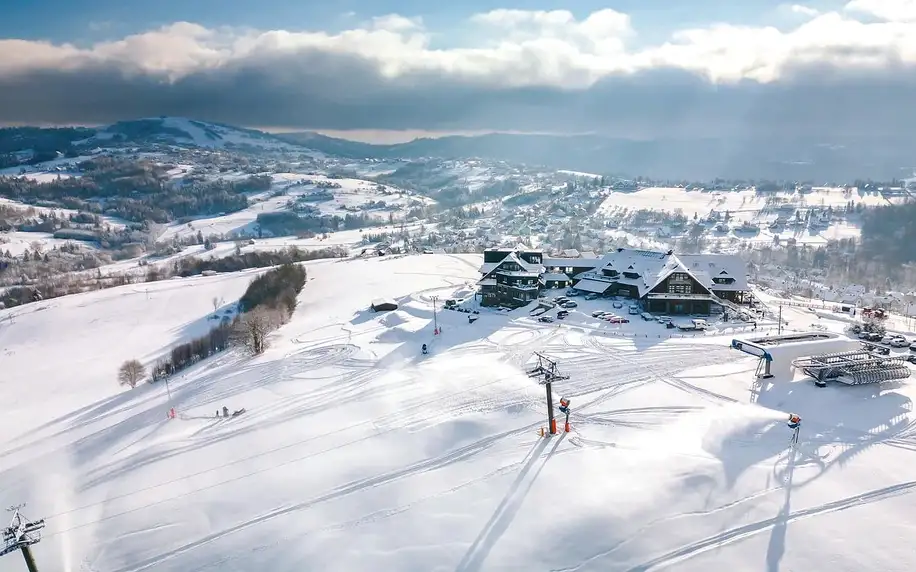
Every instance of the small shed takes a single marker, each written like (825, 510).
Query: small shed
(384, 305)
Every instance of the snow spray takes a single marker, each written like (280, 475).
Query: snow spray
(63, 503)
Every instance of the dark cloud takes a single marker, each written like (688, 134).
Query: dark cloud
(313, 89)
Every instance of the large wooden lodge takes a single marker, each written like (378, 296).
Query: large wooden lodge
(663, 282)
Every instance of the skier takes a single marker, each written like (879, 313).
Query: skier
(425, 350)
(225, 411)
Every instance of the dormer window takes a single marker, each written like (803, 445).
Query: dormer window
(631, 275)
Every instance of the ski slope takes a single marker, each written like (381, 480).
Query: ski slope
(359, 453)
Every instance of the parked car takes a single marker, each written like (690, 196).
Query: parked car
(899, 342)
(591, 296)
(572, 292)
(634, 310)
(664, 319)
(911, 358)
(569, 304)
(647, 316)
(598, 313)
(562, 314)
(913, 347)
(545, 319)
(617, 304)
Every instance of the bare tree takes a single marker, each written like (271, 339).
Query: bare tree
(131, 372)
(217, 303)
(254, 326)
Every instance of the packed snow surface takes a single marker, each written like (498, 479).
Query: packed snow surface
(358, 453)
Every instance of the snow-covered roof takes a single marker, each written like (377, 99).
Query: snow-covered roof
(574, 262)
(594, 286)
(556, 276)
(705, 267)
(527, 267)
(653, 267)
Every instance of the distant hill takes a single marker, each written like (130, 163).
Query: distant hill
(699, 158)
(748, 157)
(180, 130)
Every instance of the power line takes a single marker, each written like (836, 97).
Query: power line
(251, 457)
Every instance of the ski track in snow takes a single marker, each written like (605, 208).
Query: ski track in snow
(425, 466)
(620, 385)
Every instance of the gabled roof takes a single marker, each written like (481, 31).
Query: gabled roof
(490, 267)
(572, 262)
(654, 267)
(705, 267)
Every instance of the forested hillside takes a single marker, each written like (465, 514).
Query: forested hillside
(134, 190)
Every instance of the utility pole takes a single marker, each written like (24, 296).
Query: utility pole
(546, 370)
(21, 534)
(780, 320)
(435, 320)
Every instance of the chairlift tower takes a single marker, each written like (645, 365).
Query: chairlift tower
(21, 534)
(547, 372)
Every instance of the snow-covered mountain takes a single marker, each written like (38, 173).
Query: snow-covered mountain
(183, 131)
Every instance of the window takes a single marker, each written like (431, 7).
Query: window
(680, 289)
(680, 277)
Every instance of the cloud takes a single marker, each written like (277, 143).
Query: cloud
(800, 10)
(833, 74)
(887, 10)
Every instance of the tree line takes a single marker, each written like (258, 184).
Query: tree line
(267, 303)
(136, 191)
(54, 286)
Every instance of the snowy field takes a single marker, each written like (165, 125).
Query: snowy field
(18, 242)
(746, 206)
(358, 453)
(353, 197)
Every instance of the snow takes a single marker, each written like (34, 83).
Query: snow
(353, 197)
(359, 453)
(747, 206)
(18, 242)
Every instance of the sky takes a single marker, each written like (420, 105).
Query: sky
(631, 68)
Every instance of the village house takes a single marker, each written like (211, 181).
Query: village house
(662, 282)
